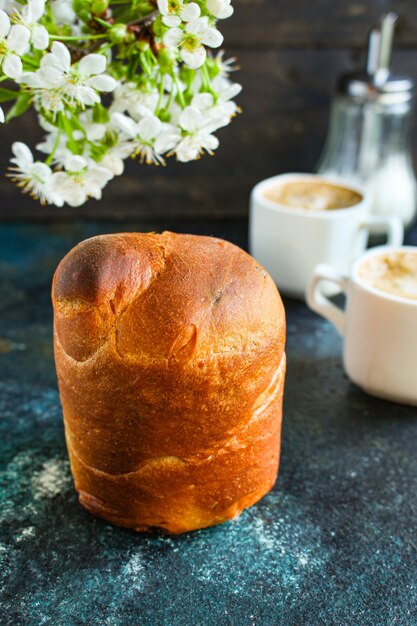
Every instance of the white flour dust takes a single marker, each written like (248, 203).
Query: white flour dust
(134, 572)
(51, 480)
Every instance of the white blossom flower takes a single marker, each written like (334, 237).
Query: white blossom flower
(150, 138)
(220, 9)
(80, 180)
(176, 11)
(63, 11)
(58, 83)
(33, 177)
(199, 136)
(14, 41)
(114, 158)
(86, 146)
(226, 66)
(28, 16)
(218, 112)
(60, 151)
(137, 101)
(95, 133)
(192, 39)
(91, 129)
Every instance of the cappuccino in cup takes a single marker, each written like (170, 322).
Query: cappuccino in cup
(394, 273)
(300, 220)
(379, 322)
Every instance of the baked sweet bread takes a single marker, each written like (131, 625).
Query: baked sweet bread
(170, 358)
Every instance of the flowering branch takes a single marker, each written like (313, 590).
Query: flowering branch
(169, 94)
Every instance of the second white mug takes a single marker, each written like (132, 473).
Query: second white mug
(289, 242)
(379, 329)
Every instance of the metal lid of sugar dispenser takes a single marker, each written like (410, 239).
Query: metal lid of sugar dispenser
(377, 82)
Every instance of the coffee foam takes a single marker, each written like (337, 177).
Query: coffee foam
(312, 195)
(394, 273)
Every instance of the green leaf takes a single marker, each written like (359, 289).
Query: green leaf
(21, 105)
(8, 94)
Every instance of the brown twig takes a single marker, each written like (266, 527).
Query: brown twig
(147, 20)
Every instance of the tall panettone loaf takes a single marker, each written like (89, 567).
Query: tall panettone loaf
(170, 357)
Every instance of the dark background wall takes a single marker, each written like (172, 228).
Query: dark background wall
(290, 53)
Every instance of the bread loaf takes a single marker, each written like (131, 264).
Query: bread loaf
(170, 357)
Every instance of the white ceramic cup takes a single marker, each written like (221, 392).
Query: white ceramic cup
(290, 242)
(379, 330)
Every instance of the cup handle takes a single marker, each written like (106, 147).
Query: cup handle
(391, 226)
(319, 303)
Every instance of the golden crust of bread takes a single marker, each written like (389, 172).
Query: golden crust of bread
(170, 357)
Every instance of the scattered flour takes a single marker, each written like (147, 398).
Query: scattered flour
(25, 534)
(51, 480)
(3, 553)
(134, 572)
(284, 548)
(14, 503)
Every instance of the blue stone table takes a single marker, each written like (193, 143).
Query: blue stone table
(333, 544)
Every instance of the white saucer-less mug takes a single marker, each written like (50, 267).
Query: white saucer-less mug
(289, 242)
(379, 330)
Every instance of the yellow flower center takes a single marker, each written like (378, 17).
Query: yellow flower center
(190, 42)
(174, 7)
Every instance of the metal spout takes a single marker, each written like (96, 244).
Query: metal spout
(380, 48)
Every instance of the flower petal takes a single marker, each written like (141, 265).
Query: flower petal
(113, 163)
(36, 9)
(98, 176)
(18, 39)
(4, 24)
(212, 37)
(92, 64)
(187, 150)
(202, 101)
(209, 142)
(63, 11)
(87, 96)
(220, 8)
(62, 55)
(41, 170)
(12, 66)
(198, 26)
(231, 91)
(96, 132)
(194, 58)
(140, 110)
(40, 37)
(166, 141)
(75, 163)
(228, 12)
(23, 156)
(71, 194)
(102, 82)
(171, 20)
(125, 124)
(191, 119)
(173, 37)
(149, 128)
(1, 115)
(50, 76)
(162, 6)
(191, 12)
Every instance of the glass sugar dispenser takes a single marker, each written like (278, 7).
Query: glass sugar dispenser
(370, 124)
